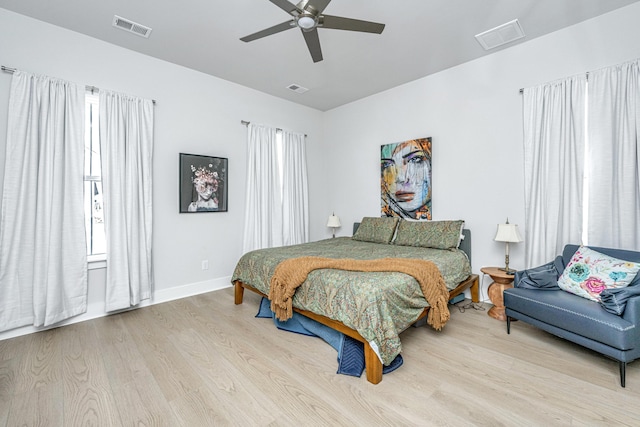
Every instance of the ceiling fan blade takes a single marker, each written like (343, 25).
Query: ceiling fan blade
(288, 7)
(313, 43)
(318, 5)
(271, 30)
(340, 23)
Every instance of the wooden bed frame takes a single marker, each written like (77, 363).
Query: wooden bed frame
(373, 365)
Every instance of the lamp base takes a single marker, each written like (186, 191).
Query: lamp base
(508, 271)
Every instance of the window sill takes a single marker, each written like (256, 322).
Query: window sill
(95, 262)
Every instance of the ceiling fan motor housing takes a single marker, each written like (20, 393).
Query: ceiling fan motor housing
(307, 21)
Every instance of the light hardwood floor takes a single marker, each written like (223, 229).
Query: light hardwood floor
(204, 361)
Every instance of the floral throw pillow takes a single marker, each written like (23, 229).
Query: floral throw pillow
(590, 272)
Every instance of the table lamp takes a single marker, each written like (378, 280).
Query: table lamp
(508, 233)
(334, 222)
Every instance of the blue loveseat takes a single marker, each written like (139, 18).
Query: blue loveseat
(610, 327)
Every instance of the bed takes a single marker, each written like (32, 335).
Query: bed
(371, 307)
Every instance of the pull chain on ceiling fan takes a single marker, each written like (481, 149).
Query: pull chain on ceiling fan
(307, 15)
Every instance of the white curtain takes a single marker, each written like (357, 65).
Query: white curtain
(295, 198)
(263, 215)
(126, 149)
(614, 184)
(43, 258)
(554, 140)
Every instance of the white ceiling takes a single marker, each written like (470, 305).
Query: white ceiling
(421, 37)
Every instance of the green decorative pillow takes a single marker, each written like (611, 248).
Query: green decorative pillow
(376, 230)
(590, 272)
(430, 234)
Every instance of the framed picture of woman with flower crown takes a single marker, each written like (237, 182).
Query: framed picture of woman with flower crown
(203, 183)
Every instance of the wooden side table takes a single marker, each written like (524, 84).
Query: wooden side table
(501, 281)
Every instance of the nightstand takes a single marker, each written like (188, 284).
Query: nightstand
(501, 281)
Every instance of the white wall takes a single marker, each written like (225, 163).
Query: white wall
(195, 113)
(473, 112)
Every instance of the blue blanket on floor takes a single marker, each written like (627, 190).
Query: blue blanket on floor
(350, 351)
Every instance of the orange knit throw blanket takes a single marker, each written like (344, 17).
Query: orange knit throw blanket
(290, 274)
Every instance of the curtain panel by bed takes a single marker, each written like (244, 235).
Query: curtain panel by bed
(277, 211)
(614, 153)
(554, 144)
(126, 149)
(43, 261)
(295, 198)
(263, 214)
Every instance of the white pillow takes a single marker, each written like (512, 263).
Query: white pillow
(590, 272)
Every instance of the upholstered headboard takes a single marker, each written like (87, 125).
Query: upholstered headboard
(465, 243)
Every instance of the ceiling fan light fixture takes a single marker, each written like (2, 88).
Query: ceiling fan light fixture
(307, 15)
(307, 22)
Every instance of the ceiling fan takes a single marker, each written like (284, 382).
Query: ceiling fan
(307, 15)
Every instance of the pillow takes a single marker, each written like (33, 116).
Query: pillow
(376, 230)
(430, 234)
(590, 272)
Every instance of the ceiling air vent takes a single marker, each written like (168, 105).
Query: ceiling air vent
(130, 26)
(297, 88)
(500, 35)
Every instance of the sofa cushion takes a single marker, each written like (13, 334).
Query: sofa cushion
(590, 272)
(572, 313)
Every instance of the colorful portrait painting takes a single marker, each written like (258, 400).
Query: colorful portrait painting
(405, 179)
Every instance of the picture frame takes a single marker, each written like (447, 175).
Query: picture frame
(203, 183)
(405, 179)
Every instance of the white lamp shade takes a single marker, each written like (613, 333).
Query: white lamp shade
(508, 233)
(334, 221)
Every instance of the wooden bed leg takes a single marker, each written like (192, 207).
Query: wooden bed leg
(373, 365)
(239, 292)
(475, 289)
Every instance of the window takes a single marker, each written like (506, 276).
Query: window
(93, 213)
(581, 161)
(275, 215)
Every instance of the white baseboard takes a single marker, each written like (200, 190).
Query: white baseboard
(191, 289)
(96, 309)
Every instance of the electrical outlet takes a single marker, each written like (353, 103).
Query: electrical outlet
(205, 264)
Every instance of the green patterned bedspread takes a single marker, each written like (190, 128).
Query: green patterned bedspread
(377, 305)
